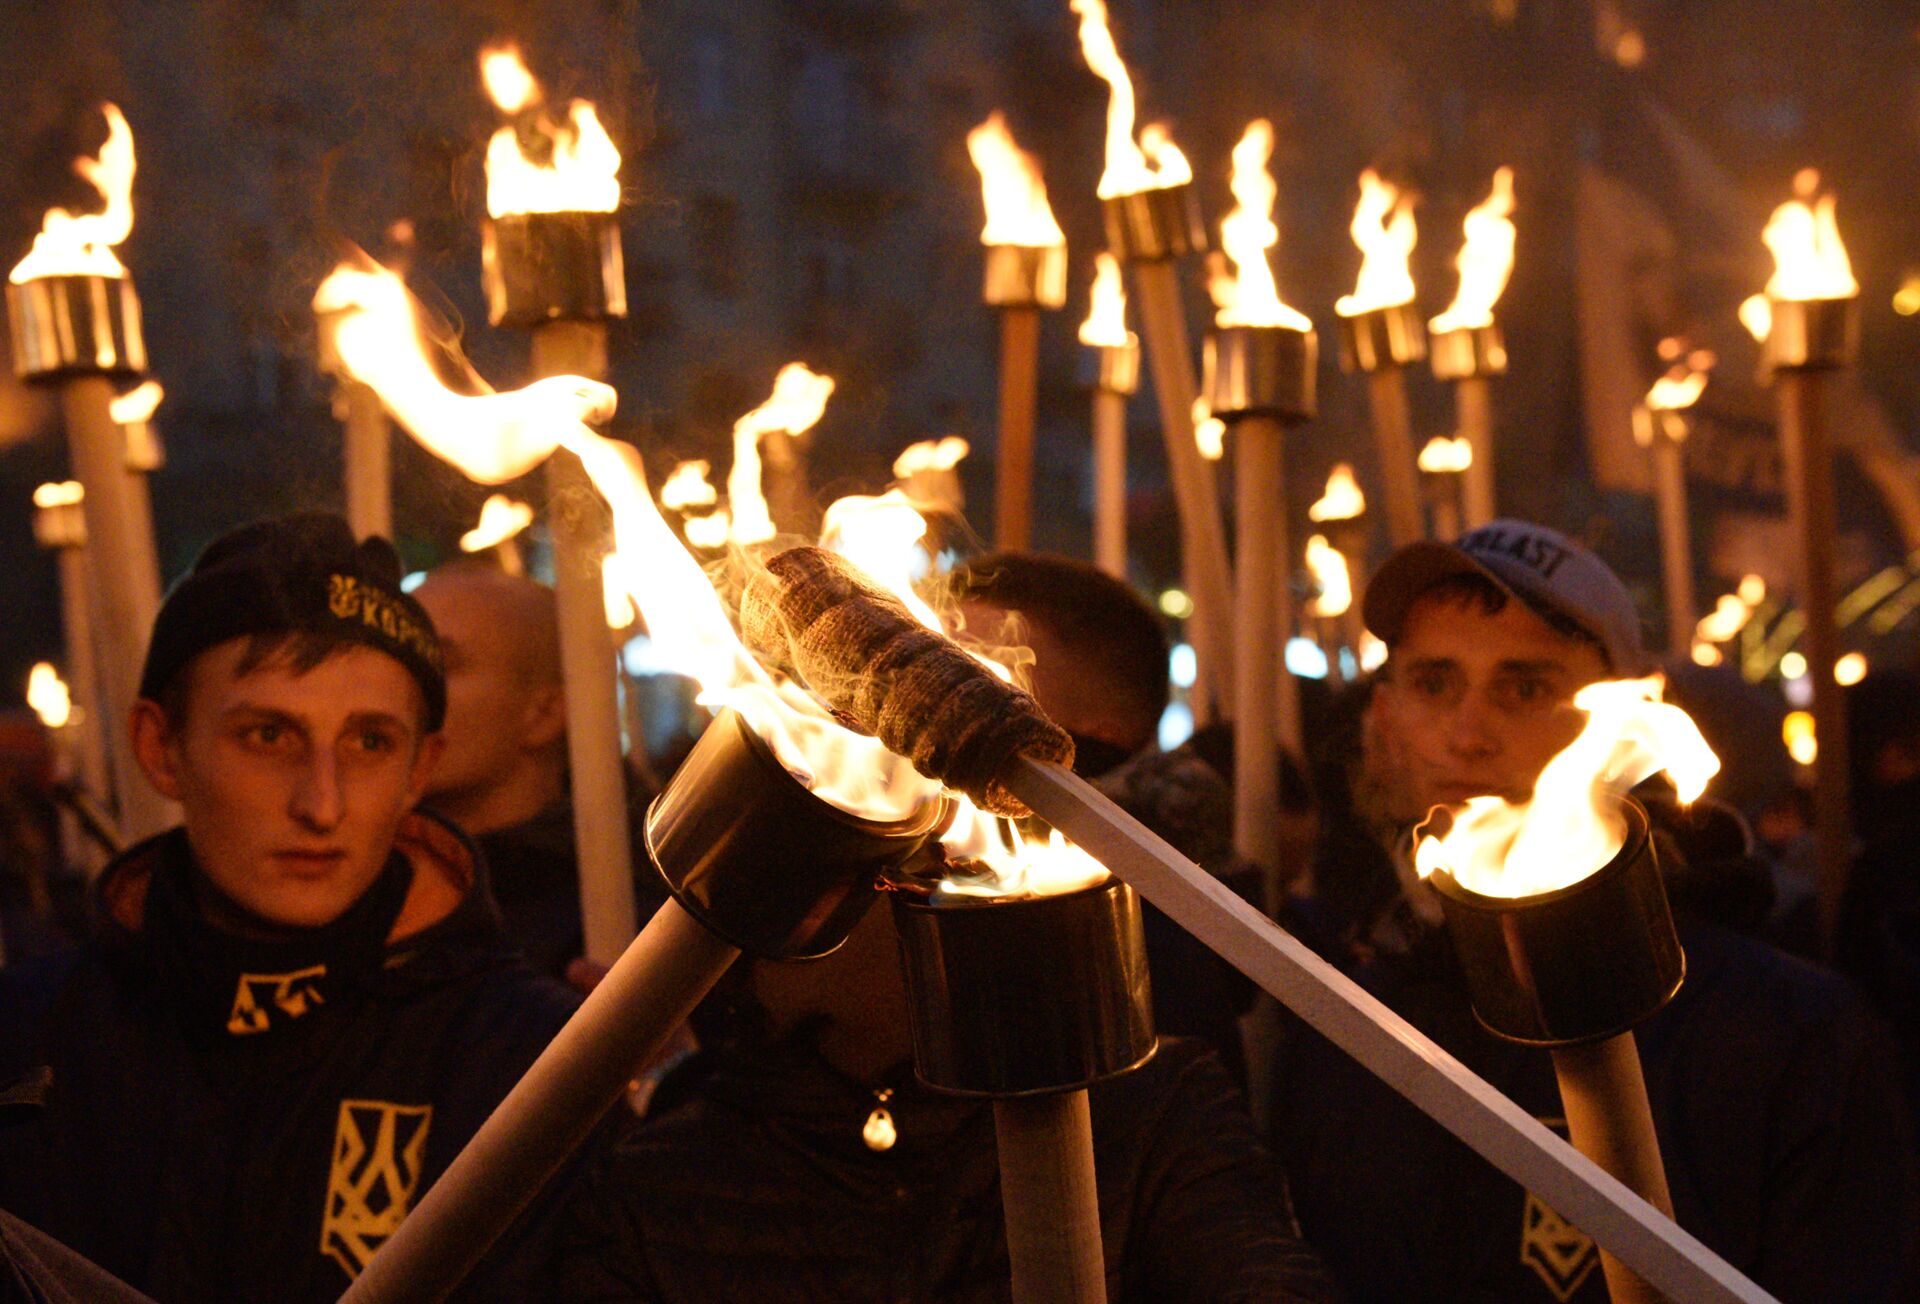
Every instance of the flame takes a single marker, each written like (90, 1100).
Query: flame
(710, 532)
(1753, 590)
(1106, 323)
(1155, 163)
(500, 519)
(1012, 189)
(583, 174)
(47, 695)
(1485, 261)
(1571, 828)
(930, 455)
(1329, 569)
(63, 493)
(1442, 455)
(1343, 500)
(616, 584)
(1729, 616)
(1248, 231)
(1850, 669)
(1796, 731)
(798, 400)
(82, 245)
(137, 404)
(1383, 228)
(1756, 314)
(688, 486)
(1705, 653)
(1209, 431)
(1373, 650)
(1809, 258)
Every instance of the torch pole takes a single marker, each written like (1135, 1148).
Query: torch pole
(1676, 542)
(1110, 482)
(1609, 1120)
(1393, 435)
(648, 993)
(1269, 698)
(581, 527)
(368, 456)
(76, 618)
(1052, 1205)
(1019, 395)
(1473, 406)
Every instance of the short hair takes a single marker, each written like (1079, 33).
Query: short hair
(299, 649)
(1088, 610)
(1472, 589)
(527, 607)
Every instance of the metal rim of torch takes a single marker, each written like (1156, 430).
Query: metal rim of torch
(1019, 281)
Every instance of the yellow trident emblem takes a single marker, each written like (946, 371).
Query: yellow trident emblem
(257, 995)
(379, 1149)
(1559, 1253)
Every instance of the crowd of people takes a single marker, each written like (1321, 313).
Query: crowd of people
(273, 1027)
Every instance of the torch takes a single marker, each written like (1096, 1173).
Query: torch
(1113, 354)
(60, 525)
(684, 492)
(1152, 218)
(1808, 324)
(1444, 463)
(1333, 607)
(550, 255)
(1466, 344)
(928, 472)
(1659, 426)
(133, 413)
(798, 400)
(1341, 513)
(76, 325)
(498, 529)
(1380, 333)
(1558, 914)
(1261, 362)
(366, 442)
(1026, 270)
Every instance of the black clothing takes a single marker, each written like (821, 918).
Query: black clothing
(752, 1182)
(1878, 938)
(246, 1117)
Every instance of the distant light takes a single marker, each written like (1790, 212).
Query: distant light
(1850, 669)
(1176, 603)
(1373, 653)
(1349, 665)
(412, 580)
(1793, 666)
(1705, 653)
(1797, 732)
(1183, 667)
(1176, 726)
(1906, 299)
(1630, 51)
(1798, 692)
(1305, 659)
(1752, 590)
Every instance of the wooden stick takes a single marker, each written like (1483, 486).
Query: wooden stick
(1810, 504)
(1473, 406)
(1608, 1117)
(1385, 1044)
(644, 998)
(1019, 398)
(83, 674)
(1446, 512)
(367, 437)
(1052, 1206)
(789, 499)
(1110, 482)
(1203, 539)
(1676, 541)
(127, 585)
(1393, 435)
(581, 529)
(1268, 697)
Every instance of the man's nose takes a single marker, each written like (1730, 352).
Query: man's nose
(316, 797)
(1470, 731)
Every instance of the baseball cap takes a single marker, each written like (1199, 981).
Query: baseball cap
(1541, 567)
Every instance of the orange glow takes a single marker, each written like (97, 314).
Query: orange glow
(583, 173)
(1683, 383)
(1106, 323)
(1209, 431)
(1342, 500)
(709, 532)
(930, 455)
(688, 486)
(1443, 455)
(1850, 669)
(615, 586)
(1796, 731)
(1384, 230)
(63, 493)
(1571, 827)
(1329, 568)
(1247, 232)
(1485, 262)
(1727, 618)
(1011, 188)
(1155, 162)
(82, 245)
(47, 695)
(799, 398)
(1753, 590)
(500, 519)
(1809, 258)
(137, 404)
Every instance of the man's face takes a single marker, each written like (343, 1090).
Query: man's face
(493, 710)
(292, 784)
(1477, 703)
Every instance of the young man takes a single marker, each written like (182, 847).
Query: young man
(298, 1006)
(1779, 1119)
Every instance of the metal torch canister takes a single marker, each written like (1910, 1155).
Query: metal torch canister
(540, 267)
(1025, 996)
(1261, 371)
(1151, 226)
(60, 525)
(1025, 276)
(1469, 351)
(747, 850)
(1810, 335)
(1109, 369)
(1573, 966)
(75, 325)
(1384, 337)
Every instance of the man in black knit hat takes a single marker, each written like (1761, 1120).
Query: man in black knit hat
(299, 1006)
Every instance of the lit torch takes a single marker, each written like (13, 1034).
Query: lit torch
(498, 532)
(1026, 271)
(1341, 513)
(798, 401)
(75, 322)
(60, 526)
(1115, 355)
(1153, 218)
(1467, 347)
(1808, 324)
(1261, 358)
(1334, 611)
(366, 440)
(1559, 916)
(1380, 334)
(929, 474)
(1660, 425)
(1444, 463)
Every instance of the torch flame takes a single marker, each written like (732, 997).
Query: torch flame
(1485, 261)
(1571, 826)
(1329, 569)
(688, 486)
(1753, 590)
(70, 245)
(1682, 385)
(1443, 455)
(137, 404)
(47, 695)
(500, 519)
(1209, 431)
(63, 493)
(1809, 258)
(1106, 323)
(709, 532)
(1155, 163)
(615, 587)
(1248, 231)
(798, 400)
(1342, 500)
(930, 455)
(1729, 615)
(1012, 189)
(583, 174)
(1383, 228)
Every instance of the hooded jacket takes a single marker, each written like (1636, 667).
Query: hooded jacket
(249, 1118)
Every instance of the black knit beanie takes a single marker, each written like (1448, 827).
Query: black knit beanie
(294, 575)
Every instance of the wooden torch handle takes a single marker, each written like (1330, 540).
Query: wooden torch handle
(1052, 1206)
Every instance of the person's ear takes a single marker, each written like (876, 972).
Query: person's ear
(425, 757)
(154, 747)
(543, 717)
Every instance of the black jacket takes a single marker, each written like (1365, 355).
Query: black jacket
(755, 1184)
(245, 1119)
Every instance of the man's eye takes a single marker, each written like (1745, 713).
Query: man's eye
(373, 740)
(1429, 683)
(266, 734)
(1528, 693)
